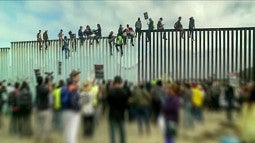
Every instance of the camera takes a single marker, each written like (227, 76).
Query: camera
(49, 76)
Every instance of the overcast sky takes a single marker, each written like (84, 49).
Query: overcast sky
(21, 20)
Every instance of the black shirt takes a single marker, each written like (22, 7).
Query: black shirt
(117, 99)
(42, 97)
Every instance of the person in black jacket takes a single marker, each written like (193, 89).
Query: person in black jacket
(191, 27)
(229, 97)
(117, 100)
(43, 114)
(25, 107)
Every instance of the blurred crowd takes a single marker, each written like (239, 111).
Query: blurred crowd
(65, 105)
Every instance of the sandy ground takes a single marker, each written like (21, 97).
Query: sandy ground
(213, 128)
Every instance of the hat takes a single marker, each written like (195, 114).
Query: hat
(74, 73)
(87, 86)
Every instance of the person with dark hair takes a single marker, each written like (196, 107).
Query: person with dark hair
(57, 116)
(111, 42)
(191, 27)
(60, 38)
(119, 43)
(170, 109)
(25, 106)
(88, 33)
(120, 30)
(229, 97)
(81, 36)
(157, 94)
(129, 32)
(117, 101)
(138, 27)
(142, 101)
(178, 26)
(12, 100)
(98, 34)
(150, 28)
(72, 41)
(65, 48)
(43, 114)
(45, 39)
(160, 27)
(39, 39)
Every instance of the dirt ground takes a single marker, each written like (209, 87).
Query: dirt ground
(210, 131)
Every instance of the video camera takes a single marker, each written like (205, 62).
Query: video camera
(49, 76)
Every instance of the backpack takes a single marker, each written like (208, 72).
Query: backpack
(65, 97)
(24, 100)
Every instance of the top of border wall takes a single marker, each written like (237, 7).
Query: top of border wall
(170, 30)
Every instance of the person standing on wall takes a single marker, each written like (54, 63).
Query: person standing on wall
(160, 27)
(191, 27)
(150, 28)
(60, 37)
(178, 26)
(45, 39)
(39, 39)
(138, 27)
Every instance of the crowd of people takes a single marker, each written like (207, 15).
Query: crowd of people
(119, 40)
(64, 104)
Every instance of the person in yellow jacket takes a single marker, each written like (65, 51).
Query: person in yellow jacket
(119, 43)
(197, 102)
(57, 116)
(246, 121)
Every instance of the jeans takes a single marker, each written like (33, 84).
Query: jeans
(67, 51)
(57, 119)
(198, 114)
(188, 119)
(143, 118)
(191, 31)
(119, 126)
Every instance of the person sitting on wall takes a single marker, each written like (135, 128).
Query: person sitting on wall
(178, 26)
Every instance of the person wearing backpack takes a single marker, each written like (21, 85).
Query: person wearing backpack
(43, 112)
(70, 96)
(24, 102)
(15, 114)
